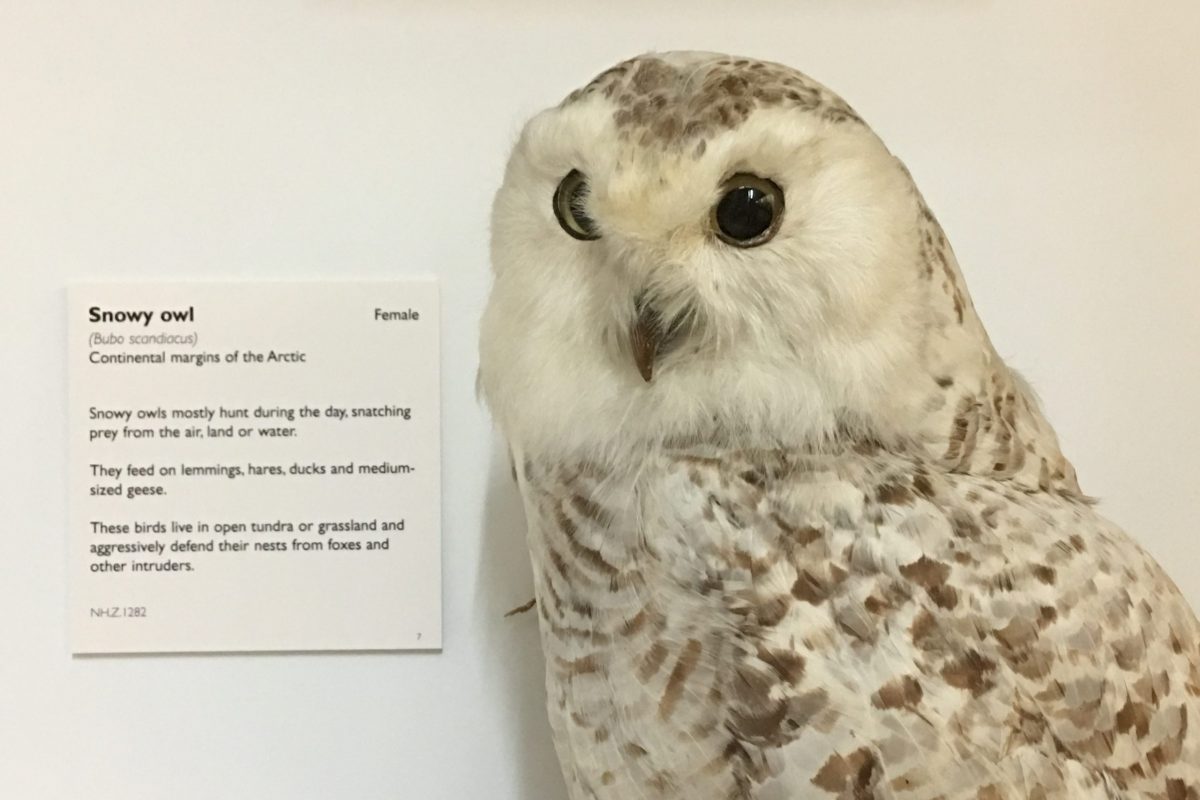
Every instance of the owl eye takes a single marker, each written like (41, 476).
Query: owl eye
(749, 211)
(569, 206)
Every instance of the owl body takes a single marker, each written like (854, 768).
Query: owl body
(797, 530)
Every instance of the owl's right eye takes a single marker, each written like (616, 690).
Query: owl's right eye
(569, 206)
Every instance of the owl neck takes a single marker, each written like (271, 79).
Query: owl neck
(977, 416)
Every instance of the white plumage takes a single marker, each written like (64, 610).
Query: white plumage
(797, 531)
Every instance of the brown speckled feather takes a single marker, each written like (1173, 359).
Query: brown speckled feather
(778, 625)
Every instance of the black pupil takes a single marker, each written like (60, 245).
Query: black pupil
(575, 203)
(745, 212)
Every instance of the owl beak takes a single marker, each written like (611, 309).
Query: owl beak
(644, 339)
(652, 336)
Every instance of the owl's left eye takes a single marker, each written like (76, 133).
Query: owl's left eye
(570, 209)
(749, 211)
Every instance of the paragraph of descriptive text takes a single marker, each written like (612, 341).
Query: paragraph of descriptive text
(283, 496)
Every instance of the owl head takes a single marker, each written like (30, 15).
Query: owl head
(700, 248)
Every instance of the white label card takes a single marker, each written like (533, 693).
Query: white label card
(254, 466)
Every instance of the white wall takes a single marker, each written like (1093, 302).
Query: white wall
(189, 139)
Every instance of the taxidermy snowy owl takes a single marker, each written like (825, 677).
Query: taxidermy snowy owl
(797, 531)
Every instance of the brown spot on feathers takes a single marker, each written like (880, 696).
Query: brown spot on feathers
(851, 776)
(922, 486)
(788, 665)
(1044, 574)
(586, 507)
(771, 612)
(587, 555)
(679, 674)
(970, 671)
(801, 536)
(586, 665)
(652, 661)
(635, 623)
(1178, 789)
(932, 575)
(895, 494)
(926, 572)
(924, 631)
(1017, 634)
(634, 750)
(753, 715)
(1134, 717)
(902, 692)
(810, 588)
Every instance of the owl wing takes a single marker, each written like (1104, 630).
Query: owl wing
(897, 631)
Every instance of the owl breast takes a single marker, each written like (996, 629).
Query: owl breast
(779, 625)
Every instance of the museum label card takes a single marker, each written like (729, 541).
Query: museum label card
(254, 466)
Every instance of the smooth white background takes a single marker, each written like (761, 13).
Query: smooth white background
(1056, 142)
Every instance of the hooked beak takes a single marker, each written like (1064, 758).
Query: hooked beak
(650, 336)
(644, 340)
